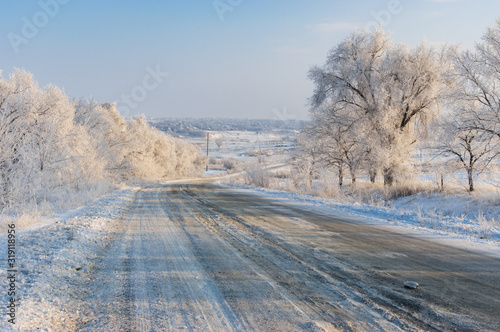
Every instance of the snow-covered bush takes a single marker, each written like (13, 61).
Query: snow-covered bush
(258, 175)
(230, 163)
(486, 226)
(327, 186)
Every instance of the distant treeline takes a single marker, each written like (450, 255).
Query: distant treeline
(197, 127)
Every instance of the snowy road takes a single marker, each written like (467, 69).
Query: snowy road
(198, 257)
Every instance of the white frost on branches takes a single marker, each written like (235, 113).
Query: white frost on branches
(371, 100)
(50, 146)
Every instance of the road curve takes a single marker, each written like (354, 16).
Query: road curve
(202, 258)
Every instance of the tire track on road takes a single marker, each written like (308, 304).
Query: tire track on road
(185, 258)
(344, 279)
(294, 278)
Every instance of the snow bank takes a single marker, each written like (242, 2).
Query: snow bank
(50, 257)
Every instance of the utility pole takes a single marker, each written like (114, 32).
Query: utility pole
(260, 149)
(208, 160)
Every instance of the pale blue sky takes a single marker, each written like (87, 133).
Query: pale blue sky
(251, 64)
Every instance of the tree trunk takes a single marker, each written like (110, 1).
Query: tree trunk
(373, 175)
(353, 175)
(341, 176)
(471, 180)
(3, 187)
(311, 175)
(442, 183)
(388, 177)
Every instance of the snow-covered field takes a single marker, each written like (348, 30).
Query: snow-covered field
(246, 147)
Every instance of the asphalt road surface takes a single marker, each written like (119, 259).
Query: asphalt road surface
(198, 257)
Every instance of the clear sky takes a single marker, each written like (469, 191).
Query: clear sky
(206, 58)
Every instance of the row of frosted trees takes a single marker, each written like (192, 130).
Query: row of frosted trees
(377, 102)
(50, 145)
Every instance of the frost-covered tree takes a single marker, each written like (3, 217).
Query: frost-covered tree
(473, 149)
(306, 160)
(478, 75)
(108, 132)
(338, 141)
(39, 141)
(384, 89)
(219, 141)
(470, 130)
(50, 146)
(152, 154)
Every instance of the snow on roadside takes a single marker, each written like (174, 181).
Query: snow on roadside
(55, 257)
(421, 217)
